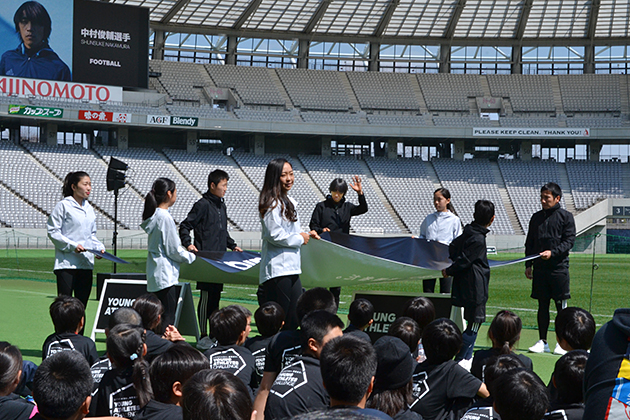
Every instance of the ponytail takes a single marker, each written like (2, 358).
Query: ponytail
(125, 346)
(157, 196)
(73, 178)
(505, 331)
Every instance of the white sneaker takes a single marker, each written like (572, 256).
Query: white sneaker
(540, 347)
(559, 350)
(466, 364)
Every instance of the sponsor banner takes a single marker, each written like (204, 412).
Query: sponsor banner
(119, 117)
(185, 121)
(23, 88)
(531, 132)
(172, 120)
(159, 119)
(36, 111)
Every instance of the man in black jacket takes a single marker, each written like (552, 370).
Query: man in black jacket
(552, 235)
(208, 221)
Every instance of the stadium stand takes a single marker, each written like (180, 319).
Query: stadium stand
(253, 85)
(183, 82)
(469, 181)
(523, 181)
(315, 90)
(593, 181)
(143, 109)
(593, 122)
(241, 199)
(590, 92)
(204, 111)
(254, 167)
(528, 122)
(331, 118)
(261, 115)
(62, 159)
(324, 169)
(383, 91)
(16, 213)
(527, 93)
(408, 187)
(462, 121)
(145, 166)
(381, 119)
(449, 92)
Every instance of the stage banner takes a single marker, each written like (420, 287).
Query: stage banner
(337, 260)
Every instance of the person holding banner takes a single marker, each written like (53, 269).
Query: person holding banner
(282, 238)
(334, 213)
(442, 226)
(72, 229)
(208, 220)
(165, 251)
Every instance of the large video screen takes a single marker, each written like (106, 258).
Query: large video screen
(75, 40)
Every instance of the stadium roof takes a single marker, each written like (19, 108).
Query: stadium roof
(488, 22)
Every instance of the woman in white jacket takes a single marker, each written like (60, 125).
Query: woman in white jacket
(442, 226)
(165, 250)
(72, 229)
(282, 238)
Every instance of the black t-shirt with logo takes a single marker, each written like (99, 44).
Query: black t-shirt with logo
(258, 346)
(98, 369)
(156, 345)
(55, 343)
(282, 350)
(299, 388)
(12, 407)
(481, 413)
(566, 412)
(440, 390)
(116, 395)
(155, 410)
(237, 360)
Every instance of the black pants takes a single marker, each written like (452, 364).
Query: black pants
(168, 297)
(428, 286)
(285, 291)
(209, 297)
(544, 317)
(74, 280)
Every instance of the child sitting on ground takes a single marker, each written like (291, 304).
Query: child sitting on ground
(408, 331)
(230, 328)
(360, 316)
(11, 405)
(299, 386)
(504, 332)
(62, 386)
(568, 379)
(127, 387)
(471, 275)
(151, 310)
(421, 310)
(169, 372)
(441, 387)
(520, 395)
(575, 329)
(68, 317)
(269, 319)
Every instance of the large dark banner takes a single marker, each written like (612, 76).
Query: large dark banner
(111, 44)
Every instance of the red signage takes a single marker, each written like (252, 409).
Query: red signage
(118, 117)
(17, 86)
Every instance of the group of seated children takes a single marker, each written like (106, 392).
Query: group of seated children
(410, 374)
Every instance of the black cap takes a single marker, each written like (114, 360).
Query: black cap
(395, 364)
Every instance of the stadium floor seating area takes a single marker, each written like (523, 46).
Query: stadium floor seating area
(398, 192)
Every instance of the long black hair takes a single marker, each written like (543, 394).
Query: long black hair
(150, 308)
(157, 196)
(272, 192)
(446, 194)
(125, 347)
(10, 366)
(73, 178)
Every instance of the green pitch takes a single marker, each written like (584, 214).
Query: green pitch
(27, 287)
